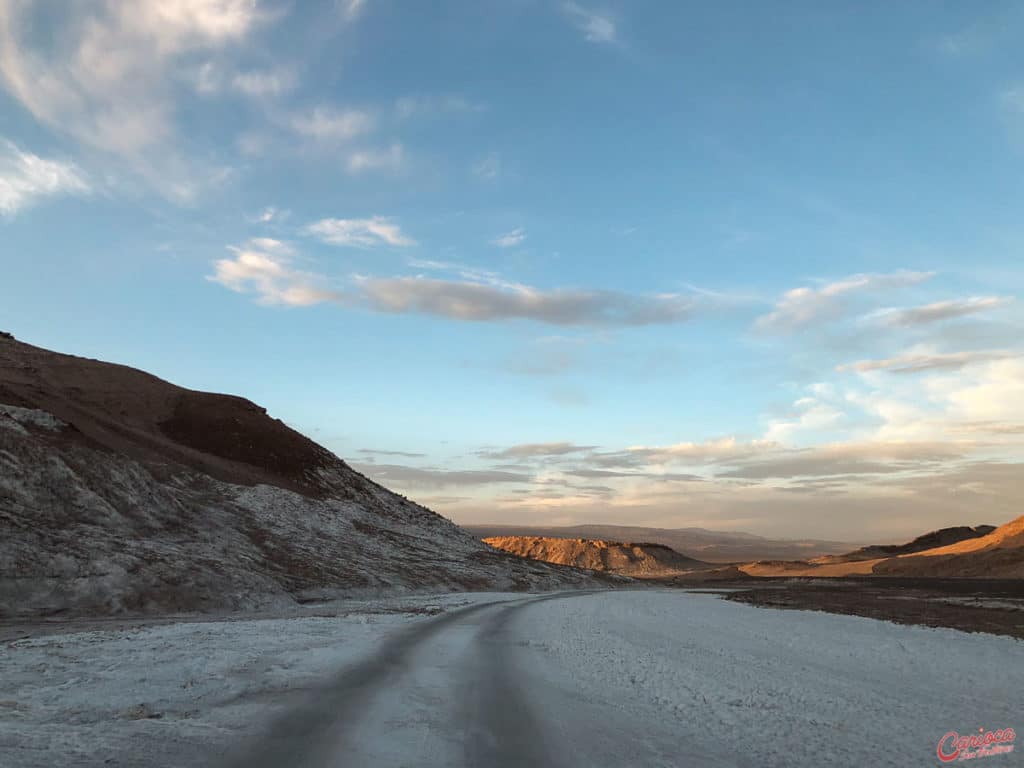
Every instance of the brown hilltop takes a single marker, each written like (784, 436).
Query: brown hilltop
(138, 415)
(940, 538)
(997, 555)
(966, 552)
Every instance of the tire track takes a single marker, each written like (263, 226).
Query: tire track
(500, 730)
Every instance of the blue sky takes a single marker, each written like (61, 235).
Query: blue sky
(737, 265)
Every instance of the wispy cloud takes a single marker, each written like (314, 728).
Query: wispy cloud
(510, 239)
(359, 233)
(478, 302)
(940, 310)
(408, 107)
(848, 459)
(391, 159)
(402, 477)
(684, 453)
(488, 167)
(403, 454)
(212, 79)
(25, 178)
(536, 450)
(331, 124)
(262, 266)
(264, 83)
(270, 214)
(919, 362)
(800, 307)
(109, 83)
(1012, 99)
(596, 27)
(352, 9)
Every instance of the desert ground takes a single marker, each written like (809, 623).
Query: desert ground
(656, 677)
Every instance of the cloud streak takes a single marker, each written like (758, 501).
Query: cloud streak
(478, 302)
(938, 311)
(400, 476)
(536, 450)
(510, 239)
(26, 178)
(390, 159)
(263, 267)
(333, 125)
(801, 307)
(596, 27)
(847, 459)
(359, 233)
(918, 363)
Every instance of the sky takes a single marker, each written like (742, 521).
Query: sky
(736, 265)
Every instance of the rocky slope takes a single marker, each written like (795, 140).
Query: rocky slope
(634, 560)
(120, 492)
(709, 546)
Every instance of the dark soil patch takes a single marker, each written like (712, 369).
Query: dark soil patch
(970, 605)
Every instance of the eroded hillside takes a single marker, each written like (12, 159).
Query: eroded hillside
(120, 492)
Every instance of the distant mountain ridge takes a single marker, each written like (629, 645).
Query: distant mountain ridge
(703, 544)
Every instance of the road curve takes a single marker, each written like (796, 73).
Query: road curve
(444, 692)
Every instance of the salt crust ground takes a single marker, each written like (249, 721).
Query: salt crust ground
(180, 694)
(677, 678)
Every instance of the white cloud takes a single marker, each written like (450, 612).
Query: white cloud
(510, 239)
(25, 178)
(391, 158)
(596, 28)
(811, 415)
(803, 306)
(330, 124)
(105, 73)
(359, 233)
(262, 266)
(938, 311)
(945, 401)
(992, 393)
